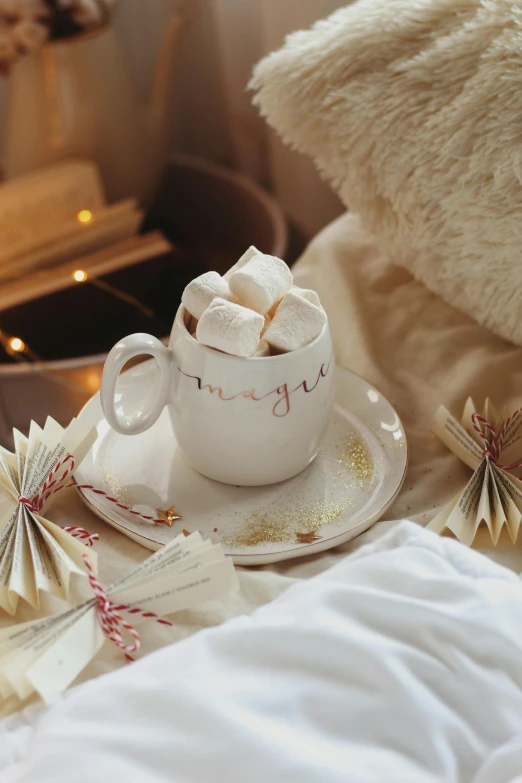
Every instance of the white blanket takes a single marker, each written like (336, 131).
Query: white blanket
(401, 663)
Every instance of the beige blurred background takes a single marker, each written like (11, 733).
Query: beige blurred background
(211, 114)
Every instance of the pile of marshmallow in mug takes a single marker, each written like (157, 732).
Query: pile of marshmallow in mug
(254, 310)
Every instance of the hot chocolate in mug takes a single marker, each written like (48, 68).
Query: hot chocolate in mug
(239, 421)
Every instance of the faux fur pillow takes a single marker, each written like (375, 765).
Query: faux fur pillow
(413, 109)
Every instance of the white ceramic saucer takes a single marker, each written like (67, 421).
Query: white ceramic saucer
(356, 476)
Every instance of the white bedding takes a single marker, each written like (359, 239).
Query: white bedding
(401, 663)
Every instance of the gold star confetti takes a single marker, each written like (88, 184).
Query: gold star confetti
(185, 532)
(168, 515)
(348, 467)
(307, 538)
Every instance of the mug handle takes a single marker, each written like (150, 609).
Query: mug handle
(140, 420)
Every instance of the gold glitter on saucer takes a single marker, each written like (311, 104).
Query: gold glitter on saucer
(347, 469)
(283, 525)
(356, 457)
(116, 488)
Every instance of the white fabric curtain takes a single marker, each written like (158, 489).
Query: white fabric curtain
(212, 115)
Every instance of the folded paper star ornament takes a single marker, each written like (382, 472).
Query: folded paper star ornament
(35, 554)
(491, 445)
(45, 656)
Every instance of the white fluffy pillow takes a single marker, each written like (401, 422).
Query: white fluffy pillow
(414, 111)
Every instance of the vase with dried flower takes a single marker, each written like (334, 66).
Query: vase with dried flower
(70, 94)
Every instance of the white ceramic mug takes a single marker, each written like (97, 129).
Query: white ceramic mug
(240, 421)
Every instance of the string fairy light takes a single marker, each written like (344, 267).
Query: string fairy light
(22, 353)
(16, 344)
(13, 346)
(81, 276)
(19, 350)
(84, 216)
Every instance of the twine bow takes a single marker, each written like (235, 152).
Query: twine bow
(54, 483)
(494, 439)
(111, 621)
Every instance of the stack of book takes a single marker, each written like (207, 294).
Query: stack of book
(57, 214)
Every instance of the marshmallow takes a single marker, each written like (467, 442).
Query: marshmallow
(263, 349)
(272, 310)
(230, 328)
(203, 290)
(307, 294)
(268, 321)
(296, 323)
(261, 282)
(247, 255)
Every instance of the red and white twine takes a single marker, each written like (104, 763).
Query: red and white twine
(88, 539)
(112, 622)
(494, 440)
(96, 491)
(55, 482)
(51, 485)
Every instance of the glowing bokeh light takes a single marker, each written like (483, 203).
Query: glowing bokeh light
(85, 216)
(16, 344)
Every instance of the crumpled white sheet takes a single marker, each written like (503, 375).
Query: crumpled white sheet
(401, 663)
